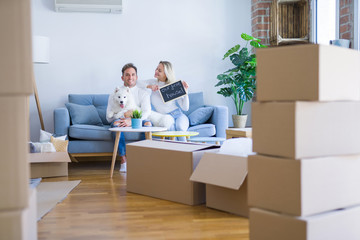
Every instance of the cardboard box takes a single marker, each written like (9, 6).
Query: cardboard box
(162, 169)
(307, 72)
(225, 179)
(30, 217)
(306, 186)
(306, 129)
(16, 64)
(54, 164)
(20, 224)
(14, 177)
(334, 225)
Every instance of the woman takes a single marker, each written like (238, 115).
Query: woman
(164, 75)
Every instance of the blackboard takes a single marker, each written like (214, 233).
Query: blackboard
(172, 91)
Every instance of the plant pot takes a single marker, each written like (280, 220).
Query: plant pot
(239, 121)
(136, 123)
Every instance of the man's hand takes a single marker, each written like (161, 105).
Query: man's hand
(128, 114)
(124, 122)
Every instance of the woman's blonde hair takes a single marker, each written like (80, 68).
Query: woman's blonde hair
(169, 72)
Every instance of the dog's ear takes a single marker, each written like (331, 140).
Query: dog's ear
(117, 89)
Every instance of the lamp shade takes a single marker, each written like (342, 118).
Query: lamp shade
(41, 49)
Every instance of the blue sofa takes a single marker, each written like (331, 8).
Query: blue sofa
(96, 140)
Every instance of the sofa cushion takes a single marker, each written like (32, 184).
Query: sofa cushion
(204, 130)
(83, 114)
(90, 132)
(99, 101)
(200, 115)
(196, 101)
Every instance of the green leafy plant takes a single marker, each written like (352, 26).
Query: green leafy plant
(239, 82)
(136, 114)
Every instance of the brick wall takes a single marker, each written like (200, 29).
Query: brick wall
(260, 20)
(346, 21)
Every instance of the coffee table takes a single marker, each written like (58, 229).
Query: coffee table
(173, 134)
(118, 130)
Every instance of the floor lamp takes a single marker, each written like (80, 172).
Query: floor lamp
(41, 54)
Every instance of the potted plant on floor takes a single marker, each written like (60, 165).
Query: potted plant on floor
(136, 119)
(239, 82)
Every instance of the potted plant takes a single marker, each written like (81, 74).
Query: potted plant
(239, 82)
(136, 121)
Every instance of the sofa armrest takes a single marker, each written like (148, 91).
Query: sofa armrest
(61, 121)
(220, 119)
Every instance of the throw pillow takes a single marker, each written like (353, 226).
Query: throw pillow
(43, 147)
(45, 136)
(83, 114)
(60, 145)
(200, 115)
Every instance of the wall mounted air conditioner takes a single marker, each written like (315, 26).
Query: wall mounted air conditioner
(98, 6)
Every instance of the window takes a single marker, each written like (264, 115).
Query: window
(325, 21)
(356, 25)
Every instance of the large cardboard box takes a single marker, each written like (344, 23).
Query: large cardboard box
(15, 48)
(162, 169)
(306, 129)
(306, 186)
(20, 224)
(53, 164)
(29, 217)
(307, 72)
(334, 225)
(14, 177)
(226, 183)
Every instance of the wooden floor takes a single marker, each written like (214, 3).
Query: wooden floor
(100, 208)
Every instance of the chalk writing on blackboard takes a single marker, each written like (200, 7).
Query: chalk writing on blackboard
(172, 91)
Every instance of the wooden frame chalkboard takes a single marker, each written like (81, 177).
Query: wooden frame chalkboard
(172, 91)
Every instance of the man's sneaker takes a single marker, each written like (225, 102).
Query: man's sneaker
(123, 168)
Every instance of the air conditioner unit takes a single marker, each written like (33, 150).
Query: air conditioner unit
(98, 6)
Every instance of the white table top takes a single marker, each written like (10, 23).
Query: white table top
(142, 129)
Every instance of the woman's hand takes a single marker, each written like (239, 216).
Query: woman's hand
(186, 86)
(128, 114)
(123, 122)
(153, 87)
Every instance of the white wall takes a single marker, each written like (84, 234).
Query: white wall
(88, 50)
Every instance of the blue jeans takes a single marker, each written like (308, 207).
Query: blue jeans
(181, 122)
(122, 145)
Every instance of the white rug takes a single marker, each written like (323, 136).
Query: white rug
(51, 193)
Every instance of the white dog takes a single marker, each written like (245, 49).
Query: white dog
(161, 120)
(120, 101)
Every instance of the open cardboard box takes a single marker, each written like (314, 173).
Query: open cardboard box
(162, 169)
(226, 183)
(333, 225)
(306, 129)
(52, 164)
(307, 72)
(306, 186)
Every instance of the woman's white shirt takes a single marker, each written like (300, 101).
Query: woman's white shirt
(157, 101)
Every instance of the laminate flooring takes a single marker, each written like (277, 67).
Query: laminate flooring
(100, 208)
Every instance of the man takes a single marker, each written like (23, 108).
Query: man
(142, 100)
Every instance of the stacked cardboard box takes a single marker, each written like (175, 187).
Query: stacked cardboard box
(15, 88)
(304, 181)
